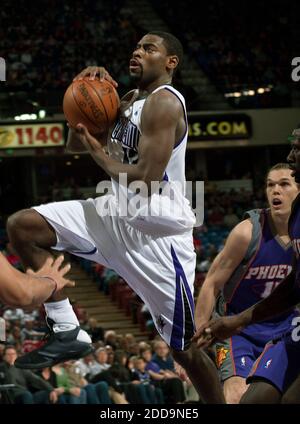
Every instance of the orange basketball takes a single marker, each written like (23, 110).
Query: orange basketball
(93, 103)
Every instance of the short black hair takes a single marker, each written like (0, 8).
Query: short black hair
(172, 44)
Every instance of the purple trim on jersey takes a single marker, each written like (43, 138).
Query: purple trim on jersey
(178, 336)
(83, 253)
(279, 363)
(165, 178)
(185, 118)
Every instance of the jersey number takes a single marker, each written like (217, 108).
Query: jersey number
(269, 287)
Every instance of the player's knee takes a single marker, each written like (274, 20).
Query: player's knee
(234, 389)
(233, 397)
(20, 226)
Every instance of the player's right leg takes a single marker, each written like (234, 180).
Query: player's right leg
(62, 226)
(292, 396)
(275, 372)
(261, 392)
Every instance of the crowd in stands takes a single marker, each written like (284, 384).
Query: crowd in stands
(232, 45)
(44, 55)
(240, 47)
(120, 371)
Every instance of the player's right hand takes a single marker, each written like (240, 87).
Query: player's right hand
(53, 269)
(93, 71)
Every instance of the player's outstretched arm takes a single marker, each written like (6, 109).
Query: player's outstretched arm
(33, 288)
(221, 270)
(280, 300)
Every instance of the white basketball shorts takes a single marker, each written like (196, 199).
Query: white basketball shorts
(160, 270)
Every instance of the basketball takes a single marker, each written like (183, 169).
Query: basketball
(93, 103)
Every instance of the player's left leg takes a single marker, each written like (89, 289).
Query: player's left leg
(202, 373)
(161, 271)
(73, 226)
(292, 395)
(261, 392)
(274, 372)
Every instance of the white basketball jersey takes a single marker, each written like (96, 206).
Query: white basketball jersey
(166, 209)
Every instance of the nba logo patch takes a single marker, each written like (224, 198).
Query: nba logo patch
(268, 363)
(160, 323)
(243, 361)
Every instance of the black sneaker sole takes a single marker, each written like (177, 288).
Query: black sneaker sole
(53, 361)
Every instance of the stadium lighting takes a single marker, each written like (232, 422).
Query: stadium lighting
(237, 94)
(260, 90)
(251, 93)
(25, 117)
(42, 114)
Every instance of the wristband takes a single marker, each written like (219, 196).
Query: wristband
(55, 282)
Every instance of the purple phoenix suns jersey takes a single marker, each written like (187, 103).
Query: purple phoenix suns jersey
(294, 233)
(267, 262)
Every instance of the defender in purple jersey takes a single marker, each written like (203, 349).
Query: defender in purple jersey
(281, 355)
(257, 256)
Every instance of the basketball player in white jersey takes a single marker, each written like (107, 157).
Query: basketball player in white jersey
(151, 245)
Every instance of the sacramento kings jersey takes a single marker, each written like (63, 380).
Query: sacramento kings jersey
(166, 211)
(269, 264)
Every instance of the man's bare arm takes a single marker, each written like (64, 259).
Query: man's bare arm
(221, 270)
(281, 300)
(160, 117)
(32, 289)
